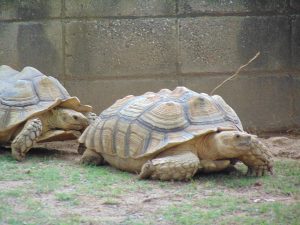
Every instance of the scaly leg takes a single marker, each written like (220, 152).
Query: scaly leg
(91, 157)
(259, 159)
(181, 166)
(26, 138)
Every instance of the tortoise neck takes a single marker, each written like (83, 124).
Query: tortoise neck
(49, 120)
(208, 147)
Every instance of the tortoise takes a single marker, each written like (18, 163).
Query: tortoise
(37, 108)
(171, 135)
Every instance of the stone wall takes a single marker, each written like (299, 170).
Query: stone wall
(105, 49)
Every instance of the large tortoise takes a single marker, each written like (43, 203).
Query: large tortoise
(37, 108)
(170, 135)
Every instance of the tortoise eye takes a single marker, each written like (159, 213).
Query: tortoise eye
(237, 136)
(75, 117)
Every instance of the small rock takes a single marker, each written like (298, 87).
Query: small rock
(258, 184)
(27, 171)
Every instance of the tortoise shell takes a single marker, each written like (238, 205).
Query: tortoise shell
(138, 126)
(28, 93)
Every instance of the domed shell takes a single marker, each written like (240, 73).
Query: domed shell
(28, 93)
(137, 126)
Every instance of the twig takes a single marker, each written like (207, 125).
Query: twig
(235, 74)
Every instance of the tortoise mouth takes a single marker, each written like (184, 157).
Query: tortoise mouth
(77, 127)
(245, 144)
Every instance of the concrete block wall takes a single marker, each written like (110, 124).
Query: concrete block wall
(103, 50)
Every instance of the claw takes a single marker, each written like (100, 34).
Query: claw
(259, 171)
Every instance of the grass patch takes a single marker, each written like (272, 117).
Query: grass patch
(39, 189)
(64, 196)
(285, 181)
(230, 210)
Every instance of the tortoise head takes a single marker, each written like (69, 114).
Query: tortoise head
(232, 143)
(68, 119)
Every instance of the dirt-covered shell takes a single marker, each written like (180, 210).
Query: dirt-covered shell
(137, 126)
(28, 93)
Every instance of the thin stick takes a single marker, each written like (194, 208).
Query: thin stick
(235, 74)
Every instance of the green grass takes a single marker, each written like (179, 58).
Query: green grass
(44, 187)
(232, 211)
(286, 179)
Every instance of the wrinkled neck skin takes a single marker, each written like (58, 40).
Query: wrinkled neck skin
(213, 147)
(48, 120)
(51, 120)
(208, 147)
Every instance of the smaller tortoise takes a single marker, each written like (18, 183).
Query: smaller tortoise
(37, 108)
(170, 135)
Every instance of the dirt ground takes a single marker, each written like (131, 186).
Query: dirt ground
(134, 206)
(284, 146)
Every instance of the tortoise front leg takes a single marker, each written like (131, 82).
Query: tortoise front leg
(26, 138)
(181, 166)
(258, 159)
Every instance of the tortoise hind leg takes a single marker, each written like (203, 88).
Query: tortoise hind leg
(180, 166)
(26, 138)
(91, 157)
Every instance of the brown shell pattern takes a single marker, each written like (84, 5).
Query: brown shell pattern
(137, 126)
(29, 92)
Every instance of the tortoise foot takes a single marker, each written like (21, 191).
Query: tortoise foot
(258, 159)
(26, 138)
(259, 171)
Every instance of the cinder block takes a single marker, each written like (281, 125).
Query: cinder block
(296, 43)
(233, 6)
(103, 93)
(295, 4)
(263, 103)
(32, 44)
(124, 47)
(33, 9)
(113, 8)
(219, 44)
(8, 44)
(296, 102)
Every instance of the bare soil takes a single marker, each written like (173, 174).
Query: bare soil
(284, 146)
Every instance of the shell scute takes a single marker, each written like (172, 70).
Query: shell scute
(200, 109)
(167, 115)
(137, 107)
